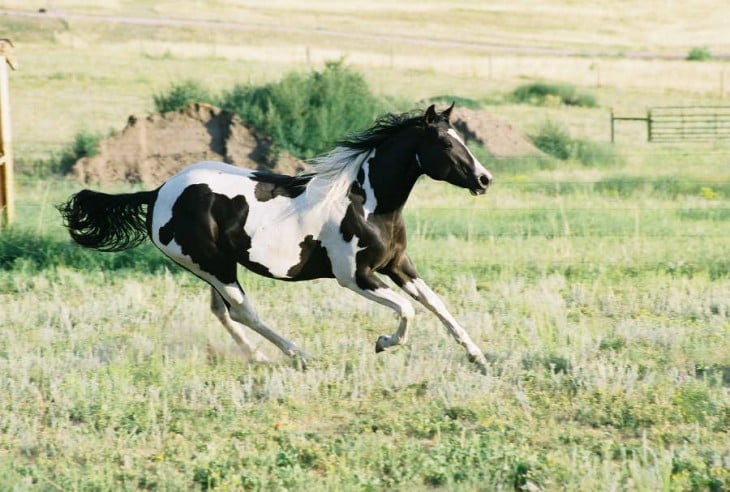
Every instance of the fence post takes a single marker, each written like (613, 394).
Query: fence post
(648, 125)
(7, 188)
(612, 130)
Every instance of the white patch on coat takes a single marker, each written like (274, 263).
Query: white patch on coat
(371, 202)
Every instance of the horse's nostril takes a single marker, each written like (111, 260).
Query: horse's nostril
(484, 180)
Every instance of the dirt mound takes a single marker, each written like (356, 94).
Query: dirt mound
(499, 137)
(149, 150)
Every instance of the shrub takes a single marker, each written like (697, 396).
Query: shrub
(85, 144)
(555, 140)
(306, 113)
(699, 54)
(541, 93)
(181, 94)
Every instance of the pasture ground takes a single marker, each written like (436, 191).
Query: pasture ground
(601, 293)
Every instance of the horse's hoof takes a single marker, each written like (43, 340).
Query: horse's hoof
(380, 344)
(481, 362)
(302, 359)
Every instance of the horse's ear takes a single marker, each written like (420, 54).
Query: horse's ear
(430, 115)
(447, 112)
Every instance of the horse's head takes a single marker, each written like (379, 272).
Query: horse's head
(443, 155)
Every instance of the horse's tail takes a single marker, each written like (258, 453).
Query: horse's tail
(107, 222)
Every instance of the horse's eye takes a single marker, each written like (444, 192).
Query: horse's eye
(447, 144)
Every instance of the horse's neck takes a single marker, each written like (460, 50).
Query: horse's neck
(390, 175)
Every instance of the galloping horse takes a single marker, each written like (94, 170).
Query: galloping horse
(342, 221)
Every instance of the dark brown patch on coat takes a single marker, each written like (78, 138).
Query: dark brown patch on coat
(209, 227)
(314, 262)
(381, 237)
(270, 185)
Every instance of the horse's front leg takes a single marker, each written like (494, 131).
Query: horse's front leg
(371, 287)
(404, 275)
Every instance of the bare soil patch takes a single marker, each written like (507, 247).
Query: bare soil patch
(151, 149)
(499, 137)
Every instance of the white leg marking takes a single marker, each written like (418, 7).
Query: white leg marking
(235, 329)
(387, 297)
(244, 313)
(423, 293)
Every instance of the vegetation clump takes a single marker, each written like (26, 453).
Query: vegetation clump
(303, 113)
(555, 140)
(701, 53)
(180, 95)
(306, 113)
(546, 94)
(85, 144)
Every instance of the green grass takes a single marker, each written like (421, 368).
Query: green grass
(602, 304)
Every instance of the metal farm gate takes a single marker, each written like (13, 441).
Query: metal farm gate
(681, 123)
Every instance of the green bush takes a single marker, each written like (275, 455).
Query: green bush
(542, 93)
(306, 113)
(85, 144)
(699, 54)
(181, 94)
(555, 140)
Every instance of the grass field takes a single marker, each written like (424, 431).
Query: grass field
(601, 294)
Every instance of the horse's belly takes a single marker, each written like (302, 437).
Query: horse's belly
(290, 249)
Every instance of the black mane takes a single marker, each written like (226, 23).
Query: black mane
(384, 127)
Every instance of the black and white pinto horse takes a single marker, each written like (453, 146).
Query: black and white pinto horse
(342, 221)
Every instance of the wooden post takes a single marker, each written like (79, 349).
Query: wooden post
(7, 188)
(613, 139)
(649, 135)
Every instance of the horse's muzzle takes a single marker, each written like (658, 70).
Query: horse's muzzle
(483, 182)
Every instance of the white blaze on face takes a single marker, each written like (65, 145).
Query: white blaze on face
(479, 169)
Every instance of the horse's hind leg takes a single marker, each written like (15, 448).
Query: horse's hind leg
(219, 308)
(241, 311)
